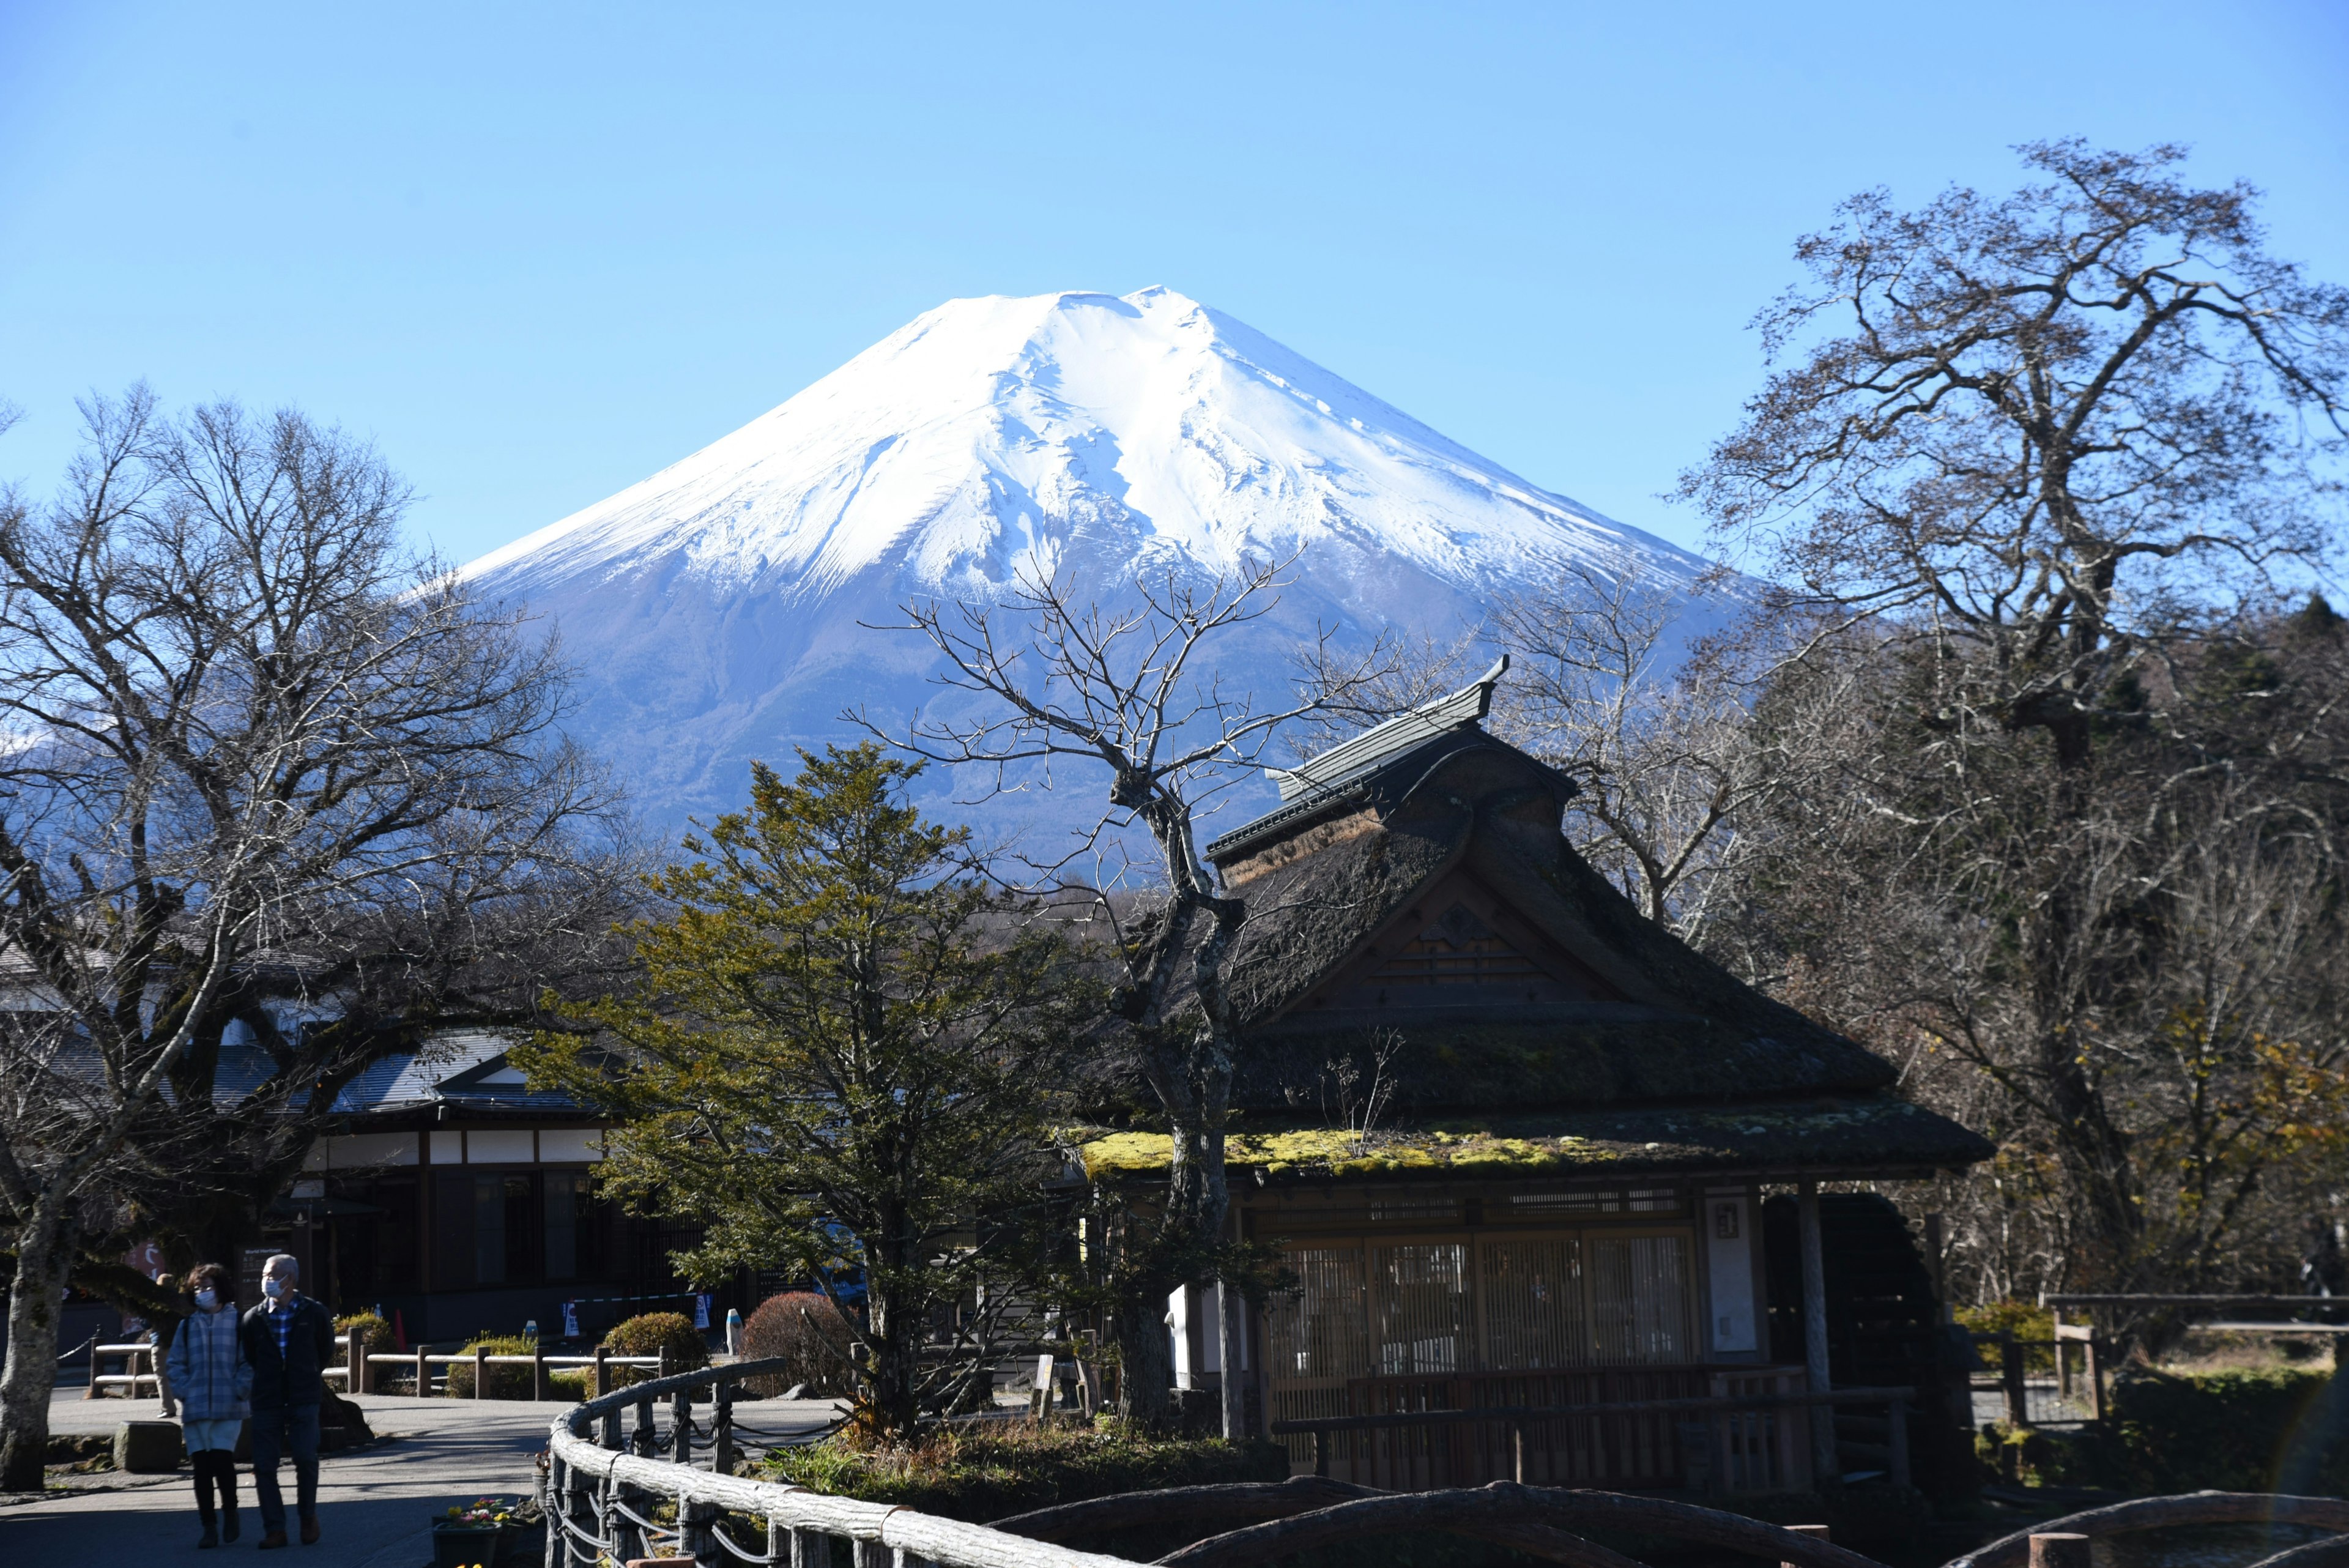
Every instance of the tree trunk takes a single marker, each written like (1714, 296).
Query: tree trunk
(892, 1352)
(1147, 1368)
(35, 1301)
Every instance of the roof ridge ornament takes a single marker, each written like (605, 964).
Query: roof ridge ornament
(1455, 711)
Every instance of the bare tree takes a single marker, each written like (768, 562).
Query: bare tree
(1132, 690)
(239, 716)
(1654, 733)
(2202, 979)
(1603, 686)
(2033, 437)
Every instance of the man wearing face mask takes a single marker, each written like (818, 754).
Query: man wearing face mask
(289, 1339)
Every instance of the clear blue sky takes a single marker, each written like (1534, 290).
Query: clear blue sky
(537, 253)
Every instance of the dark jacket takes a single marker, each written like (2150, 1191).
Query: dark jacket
(291, 1380)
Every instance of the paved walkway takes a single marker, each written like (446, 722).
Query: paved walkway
(375, 1504)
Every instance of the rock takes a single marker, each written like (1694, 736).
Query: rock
(147, 1448)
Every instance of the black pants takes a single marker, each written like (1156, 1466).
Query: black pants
(214, 1467)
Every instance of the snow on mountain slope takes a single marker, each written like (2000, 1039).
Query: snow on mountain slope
(715, 607)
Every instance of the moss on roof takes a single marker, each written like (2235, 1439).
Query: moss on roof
(1861, 1132)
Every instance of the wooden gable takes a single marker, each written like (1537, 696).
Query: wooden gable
(1458, 944)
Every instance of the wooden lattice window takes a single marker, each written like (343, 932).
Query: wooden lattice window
(1640, 1288)
(1424, 1308)
(1323, 1329)
(1457, 949)
(1533, 1304)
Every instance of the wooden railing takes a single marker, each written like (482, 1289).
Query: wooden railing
(604, 1496)
(1515, 1421)
(356, 1374)
(609, 1495)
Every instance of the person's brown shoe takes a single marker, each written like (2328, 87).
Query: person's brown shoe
(309, 1532)
(273, 1538)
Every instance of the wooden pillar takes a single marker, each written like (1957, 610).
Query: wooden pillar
(481, 1371)
(1825, 1466)
(423, 1372)
(355, 1358)
(538, 1384)
(603, 1372)
(1819, 1531)
(1231, 1333)
(2059, 1548)
(2012, 1378)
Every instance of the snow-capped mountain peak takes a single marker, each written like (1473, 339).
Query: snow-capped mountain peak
(714, 606)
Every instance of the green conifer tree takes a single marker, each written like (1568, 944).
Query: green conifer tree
(843, 1058)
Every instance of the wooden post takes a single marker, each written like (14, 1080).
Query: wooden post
(1896, 1415)
(2018, 1393)
(2096, 1376)
(1819, 1531)
(538, 1384)
(2063, 1358)
(870, 1554)
(423, 1372)
(811, 1549)
(1321, 1454)
(354, 1366)
(627, 1537)
(481, 1371)
(555, 1507)
(680, 1426)
(2059, 1548)
(91, 1392)
(693, 1521)
(1517, 1453)
(721, 1429)
(1825, 1465)
(603, 1372)
(646, 1436)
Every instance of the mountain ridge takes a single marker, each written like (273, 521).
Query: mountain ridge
(720, 607)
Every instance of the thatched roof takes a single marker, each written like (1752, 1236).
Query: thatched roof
(1421, 903)
(1844, 1137)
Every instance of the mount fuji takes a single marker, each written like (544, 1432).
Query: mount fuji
(723, 609)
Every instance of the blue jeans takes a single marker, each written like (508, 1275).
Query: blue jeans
(274, 1432)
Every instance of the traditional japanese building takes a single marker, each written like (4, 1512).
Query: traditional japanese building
(452, 1193)
(1514, 1141)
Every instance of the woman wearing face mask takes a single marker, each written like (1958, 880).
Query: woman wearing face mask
(214, 1379)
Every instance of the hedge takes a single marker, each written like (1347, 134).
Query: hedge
(2170, 1432)
(980, 1471)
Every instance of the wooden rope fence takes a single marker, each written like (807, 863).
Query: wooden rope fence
(610, 1493)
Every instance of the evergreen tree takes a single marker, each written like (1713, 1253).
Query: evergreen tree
(844, 1057)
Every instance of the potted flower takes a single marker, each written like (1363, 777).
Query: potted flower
(475, 1536)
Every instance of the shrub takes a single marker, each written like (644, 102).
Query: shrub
(2025, 1321)
(372, 1330)
(2163, 1433)
(806, 1327)
(505, 1382)
(987, 1470)
(649, 1334)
